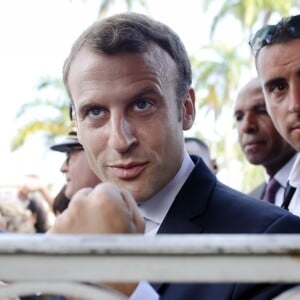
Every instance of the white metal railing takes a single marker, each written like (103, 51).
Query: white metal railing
(60, 264)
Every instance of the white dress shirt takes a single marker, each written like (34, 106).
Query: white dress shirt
(154, 211)
(282, 177)
(294, 180)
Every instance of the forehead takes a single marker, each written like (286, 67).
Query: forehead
(114, 67)
(251, 95)
(279, 60)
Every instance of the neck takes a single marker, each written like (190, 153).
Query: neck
(274, 167)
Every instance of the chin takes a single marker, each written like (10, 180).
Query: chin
(255, 161)
(296, 147)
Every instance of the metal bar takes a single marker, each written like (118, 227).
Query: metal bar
(60, 263)
(227, 258)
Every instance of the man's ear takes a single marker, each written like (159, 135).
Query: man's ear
(188, 110)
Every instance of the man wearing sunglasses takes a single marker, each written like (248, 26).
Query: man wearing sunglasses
(277, 57)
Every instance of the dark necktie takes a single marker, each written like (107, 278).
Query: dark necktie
(288, 194)
(271, 190)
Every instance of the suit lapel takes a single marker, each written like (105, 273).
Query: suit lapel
(184, 215)
(258, 192)
(191, 202)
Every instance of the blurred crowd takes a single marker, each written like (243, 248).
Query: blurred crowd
(30, 210)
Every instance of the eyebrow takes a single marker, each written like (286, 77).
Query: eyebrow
(146, 91)
(259, 105)
(255, 107)
(236, 112)
(272, 81)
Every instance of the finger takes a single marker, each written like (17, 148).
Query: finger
(137, 218)
(69, 215)
(81, 194)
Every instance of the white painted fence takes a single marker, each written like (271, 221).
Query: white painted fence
(59, 264)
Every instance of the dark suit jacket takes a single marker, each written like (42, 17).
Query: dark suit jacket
(258, 192)
(204, 205)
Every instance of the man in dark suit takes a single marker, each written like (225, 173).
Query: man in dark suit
(196, 146)
(129, 80)
(260, 141)
(277, 58)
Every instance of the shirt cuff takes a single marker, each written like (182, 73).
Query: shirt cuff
(144, 291)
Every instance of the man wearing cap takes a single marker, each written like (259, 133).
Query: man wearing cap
(76, 167)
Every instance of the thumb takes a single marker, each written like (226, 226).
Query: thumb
(137, 218)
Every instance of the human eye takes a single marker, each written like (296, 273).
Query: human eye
(238, 117)
(142, 105)
(277, 86)
(261, 110)
(95, 111)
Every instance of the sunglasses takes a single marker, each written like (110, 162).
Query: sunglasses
(287, 28)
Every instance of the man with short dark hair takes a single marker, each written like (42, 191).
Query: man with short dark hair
(129, 80)
(277, 58)
(195, 146)
(260, 141)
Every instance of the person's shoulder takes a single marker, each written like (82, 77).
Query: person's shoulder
(257, 192)
(286, 223)
(253, 215)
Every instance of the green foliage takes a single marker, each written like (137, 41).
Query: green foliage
(51, 130)
(248, 12)
(53, 99)
(57, 109)
(217, 74)
(106, 4)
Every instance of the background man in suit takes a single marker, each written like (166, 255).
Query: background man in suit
(195, 146)
(260, 141)
(129, 80)
(277, 57)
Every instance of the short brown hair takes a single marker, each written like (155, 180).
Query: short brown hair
(133, 33)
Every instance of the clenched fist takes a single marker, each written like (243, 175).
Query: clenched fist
(105, 209)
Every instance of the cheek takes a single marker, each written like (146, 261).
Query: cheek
(95, 149)
(275, 112)
(279, 123)
(239, 131)
(173, 134)
(155, 138)
(74, 167)
(92, 142)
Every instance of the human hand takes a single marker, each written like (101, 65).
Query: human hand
(105, 209)
(11, 298)
(30, 183)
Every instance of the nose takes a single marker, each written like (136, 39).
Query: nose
(294, 98)
(248, 124)
(64, 166)
(122, 136)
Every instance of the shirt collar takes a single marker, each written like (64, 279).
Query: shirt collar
(294, 177)
(283, 174)
(156, 208)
